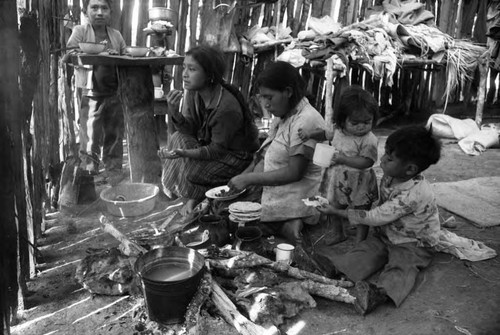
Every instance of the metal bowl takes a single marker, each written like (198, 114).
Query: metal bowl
(91, 48)
(132, 199)
(163, 13)
(137, 51)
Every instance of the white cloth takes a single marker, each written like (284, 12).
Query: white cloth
(462, 247)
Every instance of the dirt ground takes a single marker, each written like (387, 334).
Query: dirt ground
(451, 296)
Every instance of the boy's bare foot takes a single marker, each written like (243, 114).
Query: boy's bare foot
(188, 207)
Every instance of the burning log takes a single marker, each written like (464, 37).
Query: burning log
(192, 317)
(127, 247)
(230, 313)
(245, 259)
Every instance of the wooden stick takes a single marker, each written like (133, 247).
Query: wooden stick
(127, 247)
(234, 317)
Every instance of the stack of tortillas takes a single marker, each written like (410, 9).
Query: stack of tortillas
(244, 211)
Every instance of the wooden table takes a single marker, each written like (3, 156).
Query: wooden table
(136, 91)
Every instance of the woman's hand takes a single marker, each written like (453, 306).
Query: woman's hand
(174, 100)
(304, 135)
(172, 154)
(328, 209)
(239, 182)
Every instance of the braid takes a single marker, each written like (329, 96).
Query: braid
(248, 123)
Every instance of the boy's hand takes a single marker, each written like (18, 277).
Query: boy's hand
(327, 209)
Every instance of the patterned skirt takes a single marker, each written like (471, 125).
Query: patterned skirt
(191, 178)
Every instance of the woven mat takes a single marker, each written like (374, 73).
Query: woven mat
(476, 199)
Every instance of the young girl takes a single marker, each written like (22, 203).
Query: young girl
(350, 181)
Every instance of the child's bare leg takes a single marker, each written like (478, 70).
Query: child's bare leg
(361, 233)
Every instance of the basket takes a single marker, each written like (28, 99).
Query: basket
(132, 199)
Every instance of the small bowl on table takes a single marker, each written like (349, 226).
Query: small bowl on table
(135, 51)
(92, 48)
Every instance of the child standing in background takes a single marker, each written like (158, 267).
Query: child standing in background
(101, 114)
(350, 181)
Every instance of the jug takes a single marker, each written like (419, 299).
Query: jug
(248, 239)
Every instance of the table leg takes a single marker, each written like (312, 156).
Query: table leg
(137, 96)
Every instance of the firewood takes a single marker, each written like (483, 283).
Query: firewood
(192, 316)
(240, 261)
(234, 317)
(282, 267)
(127, 247)
(330, 292)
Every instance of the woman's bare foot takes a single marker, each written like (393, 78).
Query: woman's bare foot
(188, 207)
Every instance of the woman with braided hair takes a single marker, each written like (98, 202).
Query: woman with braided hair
(215, 135)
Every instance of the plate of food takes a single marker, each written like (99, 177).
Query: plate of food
(223, 193)
(315, 201)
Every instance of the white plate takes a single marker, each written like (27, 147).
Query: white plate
(214, 193)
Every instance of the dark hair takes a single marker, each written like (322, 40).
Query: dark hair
(355, 99)
(280, 75)
(86, 4)
(213, 62)
(414, 144)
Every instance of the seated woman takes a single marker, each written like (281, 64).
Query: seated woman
(215, 134)
(288, 174)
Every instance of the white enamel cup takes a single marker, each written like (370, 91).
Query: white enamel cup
(284, 252)
(323, 154)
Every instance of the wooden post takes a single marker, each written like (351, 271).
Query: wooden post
(330, 74)
(11, 155)
(136, 90)
(483, 73)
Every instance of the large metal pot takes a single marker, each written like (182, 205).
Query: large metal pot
(163, 13)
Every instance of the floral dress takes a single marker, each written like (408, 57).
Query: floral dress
(345, 186)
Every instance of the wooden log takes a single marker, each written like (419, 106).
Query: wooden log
(296, 22)
(127, 247)
(143, 19)
(479, 34)
(126, 21)
(290, 19)
(305, 15)
(135, 86)
(331, 292)
(232, 316)
(267, 20)
(252, 259)
(192, 317)
(255, 15)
